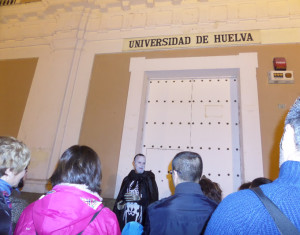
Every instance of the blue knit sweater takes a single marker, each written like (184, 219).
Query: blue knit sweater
(243, 213)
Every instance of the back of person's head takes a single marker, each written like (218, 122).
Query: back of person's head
(245, 186)
(260, 181)
(211, 189)
(293, 119)
(79, 165)
(188, 165)
(14, 155)
(290, 141)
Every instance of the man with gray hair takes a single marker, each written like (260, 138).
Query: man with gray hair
(188, 210)
(243, 212)
(14, 159)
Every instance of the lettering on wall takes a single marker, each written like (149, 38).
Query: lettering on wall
(195, 40)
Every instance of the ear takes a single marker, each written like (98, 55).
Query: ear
(9, 173)
(175, 178)
(289, 128)
(289, 137)
(288, 147)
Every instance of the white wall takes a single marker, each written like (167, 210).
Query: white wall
(66, 34)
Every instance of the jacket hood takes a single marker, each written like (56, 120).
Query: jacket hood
(66, 208)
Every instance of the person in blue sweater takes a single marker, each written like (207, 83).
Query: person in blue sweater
(188, 210)
(14, 159)
(243, 213)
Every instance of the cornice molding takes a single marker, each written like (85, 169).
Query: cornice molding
(60, 20)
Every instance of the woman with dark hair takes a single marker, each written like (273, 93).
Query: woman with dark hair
(245, 185)
(211, 189)
(74, 205)
(260, 181)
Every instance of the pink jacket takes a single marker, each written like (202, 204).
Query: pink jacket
(67, 210)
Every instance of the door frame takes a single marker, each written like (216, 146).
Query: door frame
(243, 66)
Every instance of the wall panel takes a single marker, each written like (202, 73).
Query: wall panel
(15, 82)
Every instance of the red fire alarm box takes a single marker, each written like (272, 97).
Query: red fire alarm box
(279, 63)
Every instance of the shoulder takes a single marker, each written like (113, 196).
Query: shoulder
(149, 174)
(129, 176)
(25, 222)
(108, 216)
(126, 181)
(28, 210)
(237, 202)
(233, 211)
(162, 203)
(107, 213)
(105, 223)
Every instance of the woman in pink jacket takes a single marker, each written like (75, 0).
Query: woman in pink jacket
(73, 206)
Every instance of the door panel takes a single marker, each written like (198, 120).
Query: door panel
(200, 115)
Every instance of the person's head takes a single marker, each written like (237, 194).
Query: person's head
(260, 181)
(290, 141)
(79, 165)
(14, 159)
(245, 186)
(139, 163)
(186, 167)
(211, 189)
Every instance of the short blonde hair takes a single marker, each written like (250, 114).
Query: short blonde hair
(14, 155)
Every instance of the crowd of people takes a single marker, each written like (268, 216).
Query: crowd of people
(74, 205)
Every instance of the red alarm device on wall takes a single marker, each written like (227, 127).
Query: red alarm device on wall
(279, 63)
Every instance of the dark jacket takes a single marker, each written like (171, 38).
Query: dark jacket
(184, 213)
(5, 210)
(147, 188)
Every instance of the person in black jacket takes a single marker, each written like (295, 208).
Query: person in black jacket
(137, 191)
